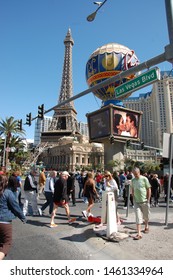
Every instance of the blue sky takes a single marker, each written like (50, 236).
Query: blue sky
(32, 49)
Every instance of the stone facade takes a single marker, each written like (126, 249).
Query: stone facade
(73, 153)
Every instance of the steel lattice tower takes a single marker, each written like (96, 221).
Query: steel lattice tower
(65, 117)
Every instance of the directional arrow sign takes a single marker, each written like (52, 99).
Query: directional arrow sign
(141, 81)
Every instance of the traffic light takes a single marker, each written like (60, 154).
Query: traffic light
(41, 112)
(19, 125)
(128, 143)
(111, 139)
(28, 119)
(142, 145)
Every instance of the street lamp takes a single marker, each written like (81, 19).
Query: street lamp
(92, 16)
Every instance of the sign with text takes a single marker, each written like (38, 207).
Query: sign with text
(141, 81)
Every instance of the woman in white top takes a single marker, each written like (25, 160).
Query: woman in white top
(111, 185)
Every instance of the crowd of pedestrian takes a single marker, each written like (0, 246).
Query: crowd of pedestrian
(140, 190)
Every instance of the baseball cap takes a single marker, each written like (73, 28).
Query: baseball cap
(65, 173)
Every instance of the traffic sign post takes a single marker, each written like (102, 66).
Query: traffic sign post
(168, 153)
(141, 81)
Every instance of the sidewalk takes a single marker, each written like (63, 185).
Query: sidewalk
(156, 245)
(82, 240)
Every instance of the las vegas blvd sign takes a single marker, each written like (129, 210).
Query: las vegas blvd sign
(141, 81)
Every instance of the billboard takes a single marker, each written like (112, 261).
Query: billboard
(122, 123)
(126, 123)
(99, 124)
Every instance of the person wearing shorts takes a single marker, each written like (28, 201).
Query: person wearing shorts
(61, 198)
(141, 191)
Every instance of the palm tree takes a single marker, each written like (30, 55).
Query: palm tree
(8, 128)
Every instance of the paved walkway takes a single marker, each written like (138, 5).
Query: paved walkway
(156, 245)
(92, 243)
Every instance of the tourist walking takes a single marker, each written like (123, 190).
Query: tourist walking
(60, 198)
(81, 178)
(141, 191)
(30, 192)
(127, 190)
(13, 184)
(9, 210)
(71, 188)
(90, 193)
(42, 181)
(155, 190)
(19, 186)
(49, 192)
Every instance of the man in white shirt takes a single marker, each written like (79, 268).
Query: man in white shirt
(49, 191)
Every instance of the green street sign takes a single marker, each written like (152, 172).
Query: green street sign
(141, 81)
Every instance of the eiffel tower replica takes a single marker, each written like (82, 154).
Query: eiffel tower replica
(64, 121)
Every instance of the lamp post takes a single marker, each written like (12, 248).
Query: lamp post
(92, 16)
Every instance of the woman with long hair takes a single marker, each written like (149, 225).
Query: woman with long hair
(9, 210)
(119, 125)
(111, 186)
(90, 193)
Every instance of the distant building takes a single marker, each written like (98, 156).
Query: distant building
(41, 126)
(142, 156)
(28, 144)
(83, 128)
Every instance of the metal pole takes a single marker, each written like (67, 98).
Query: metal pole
(5, 141)
(170, 177)
(169, 50)
(169, 16)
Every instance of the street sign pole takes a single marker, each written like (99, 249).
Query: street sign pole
(170, 177)
(4, 151)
